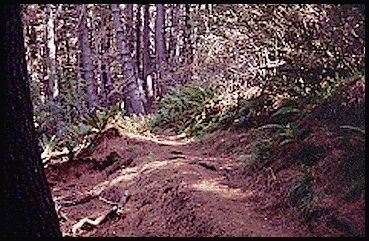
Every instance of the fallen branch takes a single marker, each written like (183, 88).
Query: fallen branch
(82, 200)
(116, 209)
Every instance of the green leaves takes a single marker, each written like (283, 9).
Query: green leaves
(357, 132)
(100, 118)
(186, 109)
(271, 126)
(265, 148)
(285, 110)
(353, 128)
(47, 144)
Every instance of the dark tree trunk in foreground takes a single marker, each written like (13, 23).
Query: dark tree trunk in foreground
(28, 209)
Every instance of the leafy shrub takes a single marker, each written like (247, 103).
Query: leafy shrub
(298, 191)
(282, 134)
(187, 109)
(134, 123)
(352, 165)
(264, 149)
(99, 119)
(197, 110)
(299, 194)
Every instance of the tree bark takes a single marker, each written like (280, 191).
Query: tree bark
(53, 87)
(87, 60)
(28, 209)
(133, 91)
(138, 41)
(146, 65)
(187, 45)
(106, 79)
(98, 57)
(129, 26)
(160, 47)
(174, 43)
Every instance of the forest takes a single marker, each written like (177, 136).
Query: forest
(183, 120)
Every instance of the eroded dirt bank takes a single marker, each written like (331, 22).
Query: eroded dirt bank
(177, 187)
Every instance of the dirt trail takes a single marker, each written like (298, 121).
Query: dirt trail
(177, 189)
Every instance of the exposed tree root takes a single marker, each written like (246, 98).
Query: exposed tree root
(116, 209)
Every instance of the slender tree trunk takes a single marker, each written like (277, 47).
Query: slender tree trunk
(133, 91)
(174, 42)
(160, 47)
(51, 74)
(147, 67)
(87, 60)
(78, 69)
(45, 74)
(28, 208)
(138, 41)
(99, 74)
(187, 46)
(106, 79)
(193, 46)
(51, 58)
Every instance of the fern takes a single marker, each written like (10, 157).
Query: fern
(185, 109)
(271, 126)
(285, 110)
(353, 128)
(48, 144)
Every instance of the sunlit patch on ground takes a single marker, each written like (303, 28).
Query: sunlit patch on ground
(214, 186)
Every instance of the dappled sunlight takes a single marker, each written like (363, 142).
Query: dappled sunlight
(126, 175)
(214, 186)
(100, 187)
(150, 166)
(129, 173)
(174, 140)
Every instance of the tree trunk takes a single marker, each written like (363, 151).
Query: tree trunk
(173, 42)
(53, 87)
(87, 60)
(99, 74)
(133, 92)
(28, 209)
(187, 46)
(147, 68)
(129, 26)
(106, 79)
(138, 41)
(160, 47)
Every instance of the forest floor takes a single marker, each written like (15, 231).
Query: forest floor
(177, 187)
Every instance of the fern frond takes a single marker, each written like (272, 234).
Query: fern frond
(271, 126)
(285, 110)
(353, 128)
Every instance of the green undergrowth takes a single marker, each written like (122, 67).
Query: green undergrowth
(197, 110)
(186, 109)
(286, 137)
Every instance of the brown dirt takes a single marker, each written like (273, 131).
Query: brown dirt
(183, 187)
(178, 187)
